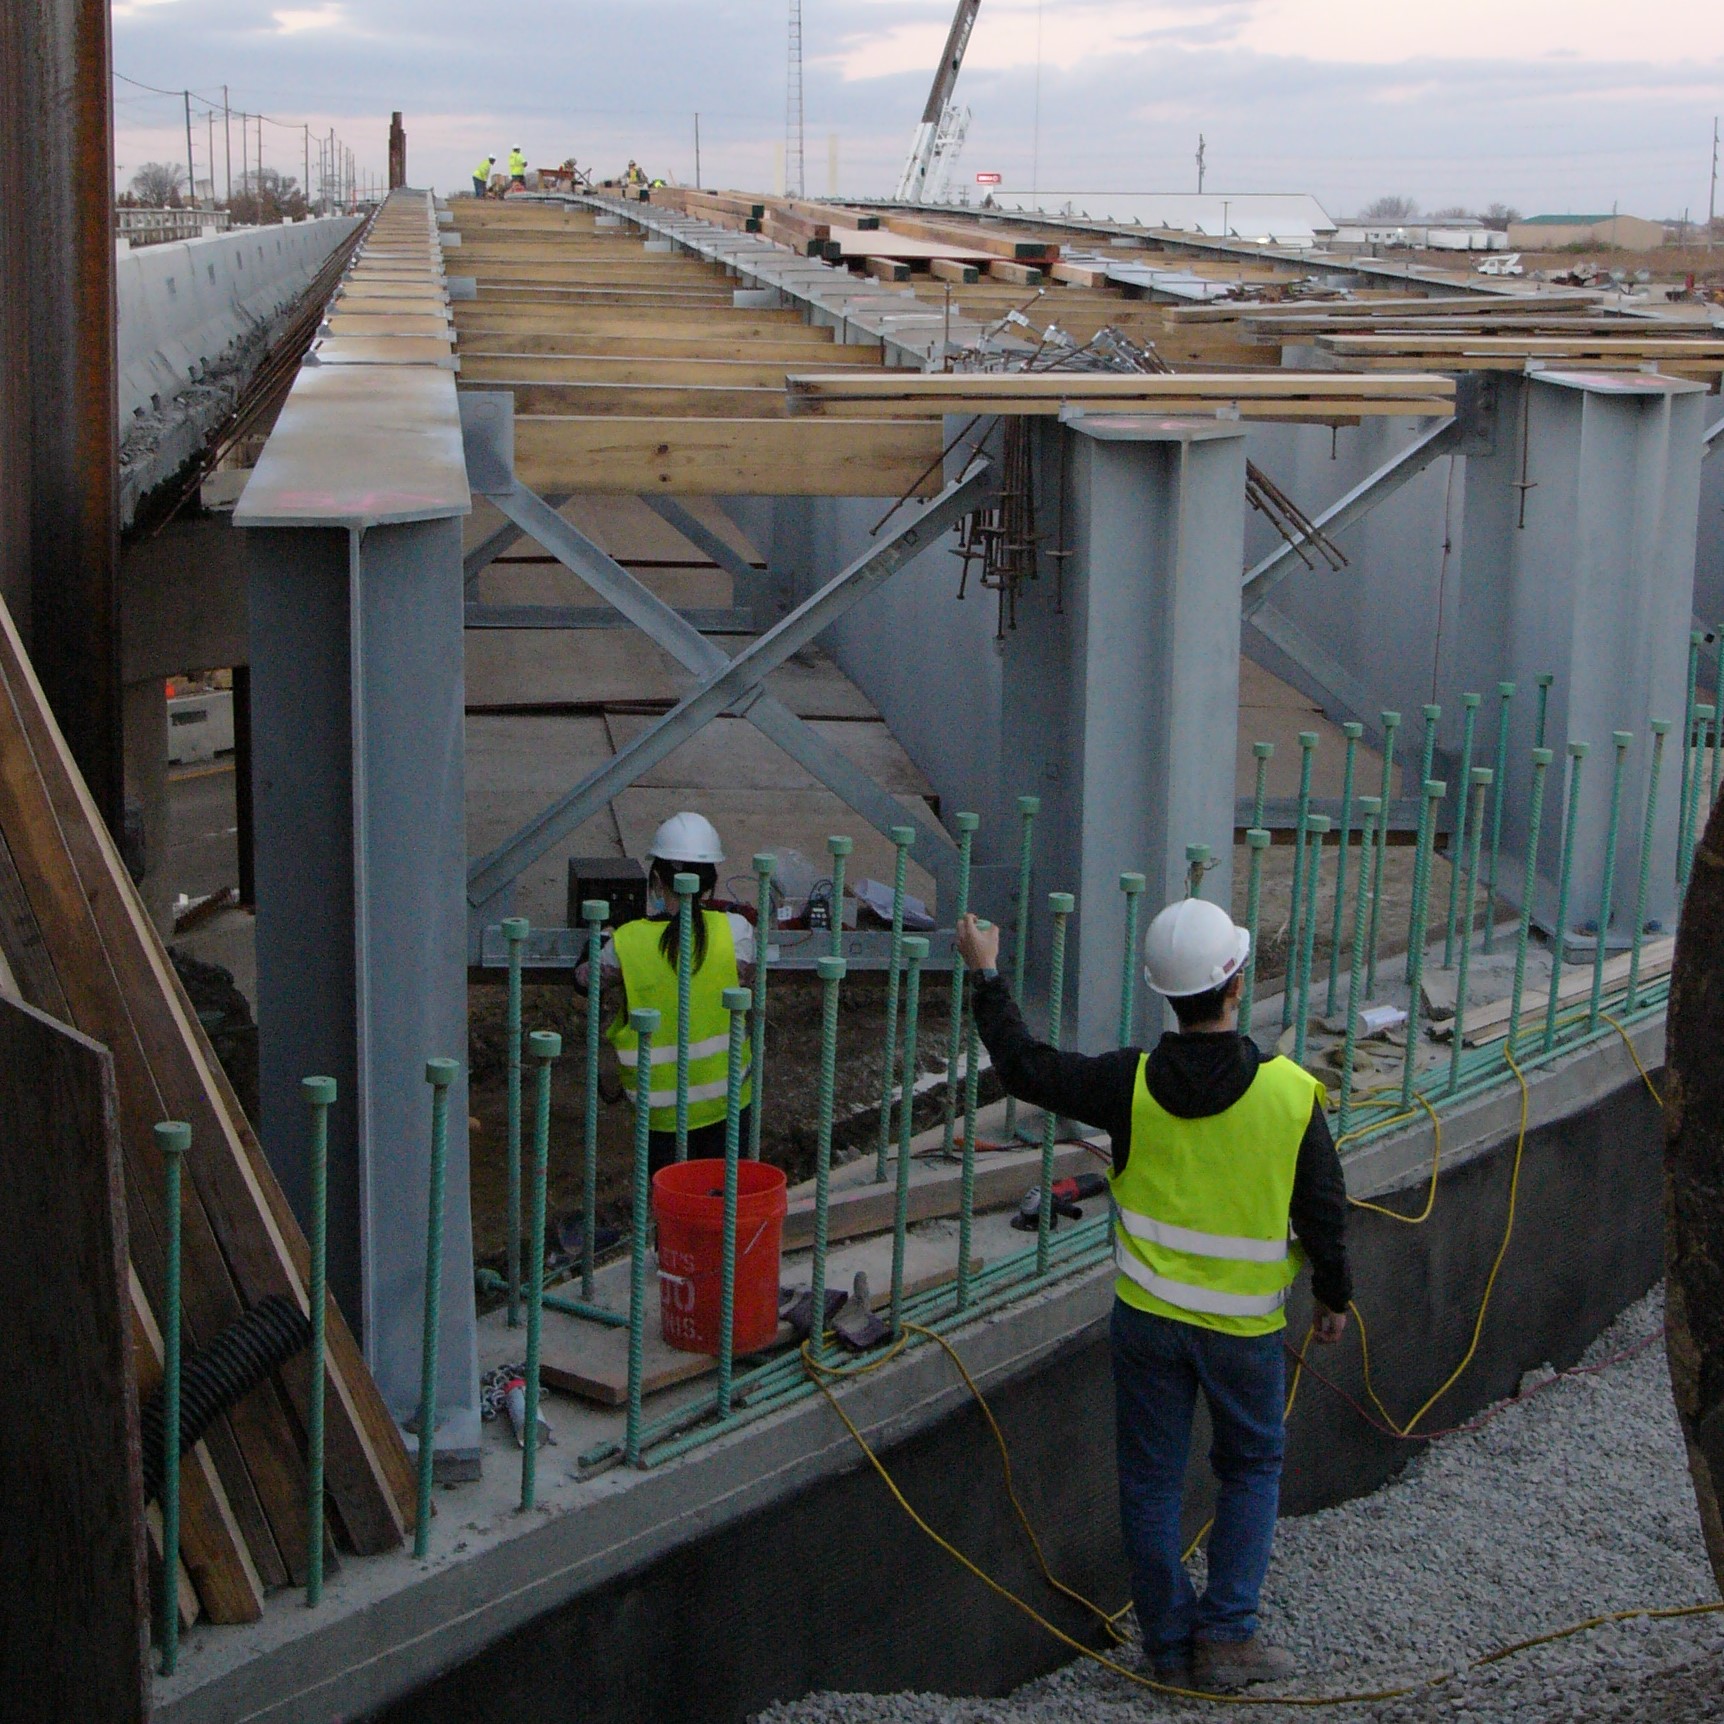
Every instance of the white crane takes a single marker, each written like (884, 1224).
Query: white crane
(939, 137)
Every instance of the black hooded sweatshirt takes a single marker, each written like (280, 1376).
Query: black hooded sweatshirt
(1192, 1076)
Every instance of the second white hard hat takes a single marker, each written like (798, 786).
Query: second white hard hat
(687, 838)
(1191, 947)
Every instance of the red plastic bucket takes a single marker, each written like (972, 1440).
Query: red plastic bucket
(688, 1205)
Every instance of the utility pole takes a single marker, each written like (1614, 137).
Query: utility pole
(697, 152)
(1200, 161)
(209, 130)
(191, 166)
(307, 131)
(1712, 197)
(793, 162)
(227, 132)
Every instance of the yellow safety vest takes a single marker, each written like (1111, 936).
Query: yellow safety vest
(1200, 1229)
(517, 165)
(483, 171)
(650, 979)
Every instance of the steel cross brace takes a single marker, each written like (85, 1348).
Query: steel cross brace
(728, 685)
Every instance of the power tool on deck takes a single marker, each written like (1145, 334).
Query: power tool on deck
(1068, 1194)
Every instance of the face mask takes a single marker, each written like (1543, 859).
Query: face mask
(655, 904)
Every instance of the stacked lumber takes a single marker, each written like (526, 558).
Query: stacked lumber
(1007, 244)
(80, 947)
(1689, 354)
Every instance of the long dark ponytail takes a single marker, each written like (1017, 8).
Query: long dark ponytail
(664, 872)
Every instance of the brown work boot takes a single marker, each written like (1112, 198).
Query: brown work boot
(1220, 1666)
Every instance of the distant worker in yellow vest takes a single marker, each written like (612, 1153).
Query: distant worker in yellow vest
(482, 176)
(633, 175)
(517, 168)
(645, 952)
(1216, 1150)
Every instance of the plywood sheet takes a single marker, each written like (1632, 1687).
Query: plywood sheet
(1271, 710)
(541, 583)
(569, 667)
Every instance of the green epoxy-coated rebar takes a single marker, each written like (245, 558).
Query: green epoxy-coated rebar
(831, 970)
(1691, 811)
(1623, 741)
(1434, 792)
(1132, 886)
(736, 1001)
(1257, 842)
(1316, 827)
(1370, 807)
(173, 1139)
(1265, 752)
(543, 1047)
(1544, 679)
(1718, 729)
(765, 866)
(1470, 704)
(1695, 641)
(838, 849)
(1499, 789)
(915, 954)
(1028, 808)
(440, 1074)
(515, 935)
(1541, 759)
(967, 1178)
(1352, 731)
(902, 838)
(1391, 723)
(595, 912)
(687, 888)
(644, 1022)
(1433, 716)
(1307, 749)
(1660, 728)
(1196, 866)
(1061, 904)
(319, 1093)
(1473, 821)
(1577, 753)
(966, 825)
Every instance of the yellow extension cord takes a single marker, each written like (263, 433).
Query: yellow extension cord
(824, 1375)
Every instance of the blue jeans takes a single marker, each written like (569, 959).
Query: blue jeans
(1158, 1367)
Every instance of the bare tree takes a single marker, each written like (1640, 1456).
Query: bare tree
(1390, 209)
(263, 196)
(157, 184)
(1500, 215)
(1452, 212)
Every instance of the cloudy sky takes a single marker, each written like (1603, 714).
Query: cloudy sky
(1543, 104)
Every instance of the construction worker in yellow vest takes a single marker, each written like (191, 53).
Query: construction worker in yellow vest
(517, 168)
(645, 952)
(482, 176)
(1218, 1156)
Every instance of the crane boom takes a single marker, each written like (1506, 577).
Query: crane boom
(913, 182)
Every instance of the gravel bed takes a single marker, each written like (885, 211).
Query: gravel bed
(1572, 1503)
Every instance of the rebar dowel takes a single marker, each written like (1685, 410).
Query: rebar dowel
(1028, 808)
(1196, 866)
(967, 1177)
(1544, 679)
(173, 1139)
(736, 1002)
(1307, 748)
(1541, 759)
(1316, 826)
(966, 825)
(1265, 752)
(1660, 728)
(1479, 779)
(1470, 703)
(1718, 729)
(915, 953)
(1352, 731)
(515, 931)
(544, 1047)
(1257, 842)
(1499, 788)
(440, 1074)
(902, 838)
(1432, 715)
(1434, 791)
(765, 866)
(1695, 640)
(644, 1021)
(831, 971)
(1691, 812)
(1391, 723)
(1062, 905)
(1577, 753)
(687, 889)
(319, 1093)
(1369, 808)
(839, 849)
(1132, 886)
(1607, 890)
(595, 912)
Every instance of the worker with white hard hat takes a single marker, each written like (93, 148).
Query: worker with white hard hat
(645, 953)
(1218, 1155)
(482, 175)
(517, 167)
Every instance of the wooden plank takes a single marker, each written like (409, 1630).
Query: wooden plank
(724, 322)
(1489, 1023)
(730, 457)
(887, 269)
(639, 400)
(76, 1644)
(647, 343)
(947, 269)
(994, 241)
(536, 293)
(595, 368)
(1019, 274)
(1536, 346)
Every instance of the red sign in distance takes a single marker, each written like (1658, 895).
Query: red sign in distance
(987, 179)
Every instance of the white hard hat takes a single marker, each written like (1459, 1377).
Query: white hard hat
(687, 838)
(1191, 947)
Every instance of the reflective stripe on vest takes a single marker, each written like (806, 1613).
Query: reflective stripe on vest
(1202, 1204)
(650, 981)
